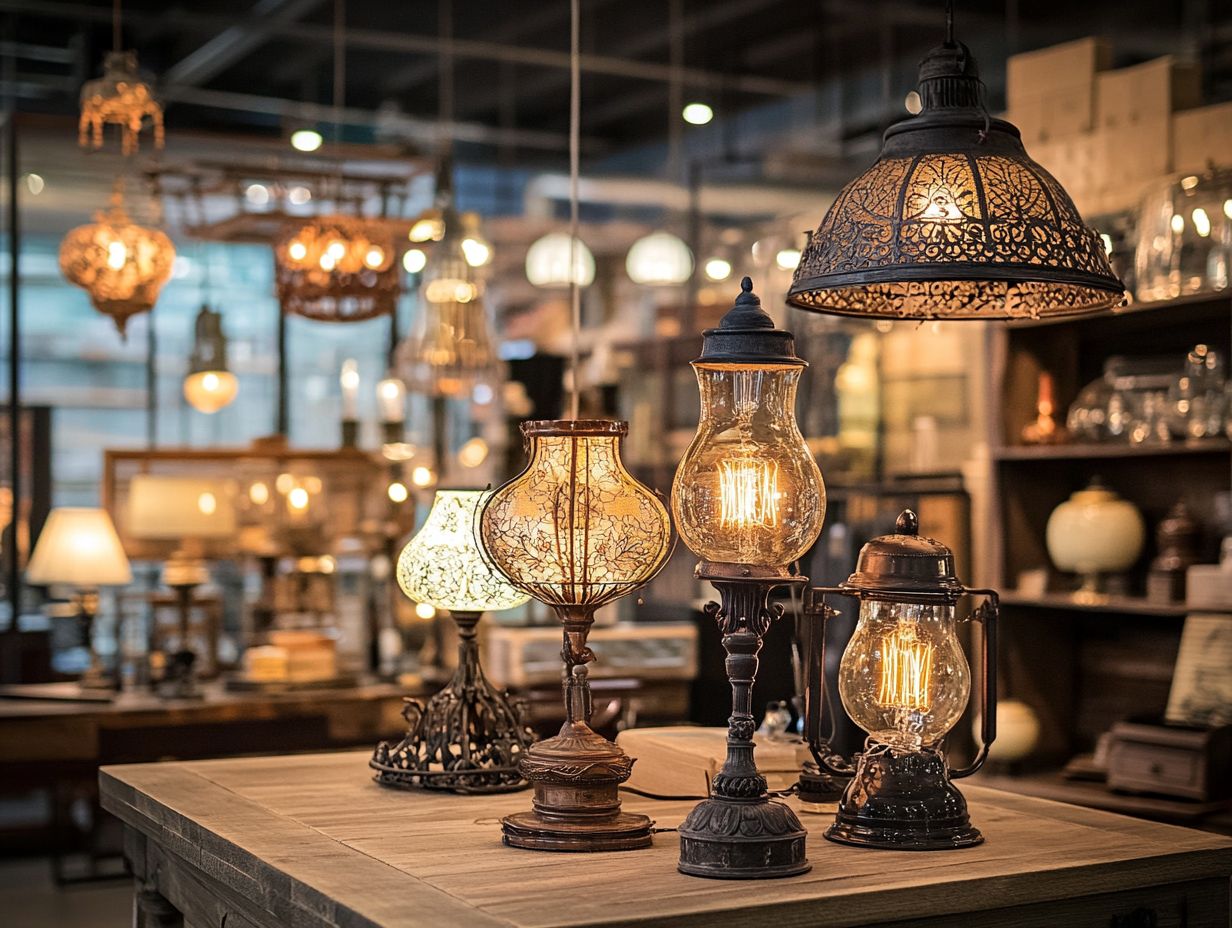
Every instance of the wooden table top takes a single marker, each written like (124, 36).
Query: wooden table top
(310, 840)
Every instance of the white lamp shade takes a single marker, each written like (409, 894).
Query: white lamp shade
(547, 262)
(78, 547)
(659, 259)
(442, 565)
(174, 508)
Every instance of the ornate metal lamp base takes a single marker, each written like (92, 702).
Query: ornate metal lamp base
(468, 738)
(577, 777)
(903, 802)
(738, 833)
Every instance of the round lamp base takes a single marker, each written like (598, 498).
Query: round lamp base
(739, 839)
(626, 832)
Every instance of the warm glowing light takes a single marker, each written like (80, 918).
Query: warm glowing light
(297, 250)
(257, 194)
(1106, 239)
(284, 484)
(549, 258)
(306, 140)
(297, 499)
(207, 503)
(1202, 222)
(422, 476)
(1188, 183)
(398, 493)
(414, 260)
(119, 98)
(942, 208)
(906, 670)
(787, 258)
(328, 262)
(1227, 208)
(336, 250)
(425, 611)
(428, 229)
(697, 114)
(210, 391)
(35, 184)
(312, 484)
(450, 290)
(259, 493)
(717, 269)
(473, 452)
(748, 493)
(659, 259)
(477, 251)
(326, 564)
(117, 254)
(375, 257)
(1178, 223)
(299, 195)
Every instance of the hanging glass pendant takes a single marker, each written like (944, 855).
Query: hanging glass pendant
(120, 264)
(954, 221)
(122, 98)
(209, 384)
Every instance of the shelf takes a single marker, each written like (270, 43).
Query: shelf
(1197, 301)
(1110, 450)
(1095, 795)
(1122, 605)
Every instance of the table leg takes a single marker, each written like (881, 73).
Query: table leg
(152, 910)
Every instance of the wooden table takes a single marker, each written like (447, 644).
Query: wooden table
(311, 841)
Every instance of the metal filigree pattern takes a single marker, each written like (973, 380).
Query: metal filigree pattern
(442, 564)
(337, 269)
(954, 236)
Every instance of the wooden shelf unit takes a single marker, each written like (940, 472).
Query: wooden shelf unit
(1084, 665)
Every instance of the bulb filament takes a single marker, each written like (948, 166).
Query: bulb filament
(906, 669)
(748, 493)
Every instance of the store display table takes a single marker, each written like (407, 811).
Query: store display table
(310, 840)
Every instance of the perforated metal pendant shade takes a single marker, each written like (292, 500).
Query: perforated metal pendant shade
(954, 221)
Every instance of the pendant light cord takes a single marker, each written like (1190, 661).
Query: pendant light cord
(445, 101)
(949, 22)
(339, 90)
(115, 26)
(575, 119)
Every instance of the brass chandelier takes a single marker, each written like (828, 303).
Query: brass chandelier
(954, 221)
(337, 269)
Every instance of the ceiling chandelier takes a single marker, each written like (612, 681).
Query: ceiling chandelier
(954, 221)
(120, 264)
(337, 269)
(120, 97)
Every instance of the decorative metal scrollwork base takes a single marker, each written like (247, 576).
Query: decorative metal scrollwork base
(739, 833)
(467, 739)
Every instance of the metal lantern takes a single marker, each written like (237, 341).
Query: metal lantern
(904, 679)
(470, 736)
(749, 500)
(576, 531)
(337, 269)
(120, 264)
(954, 221)
(122, 98)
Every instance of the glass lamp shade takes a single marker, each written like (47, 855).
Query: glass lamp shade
(903, 677)
(1184, 228)
(575, 530)
(209, 386)
(79, 547)
(122, 98)
(120, 264)
(210, 391)
(747, 490)
(443, 566)
(337, 269)
(548, 260)
(954, 221)
(659, 259)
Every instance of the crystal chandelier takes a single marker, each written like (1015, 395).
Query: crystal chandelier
(954, 221)
(337, 269)
(120, 264)
(122, 98)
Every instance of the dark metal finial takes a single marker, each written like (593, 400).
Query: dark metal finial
(746, 284)
(746, 334)
(908, 523)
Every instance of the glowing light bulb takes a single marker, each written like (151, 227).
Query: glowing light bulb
(425, 611)
(297, 499)
(476, 251)
(284, 484)
(942, 208)
(210, 381)
(473, 452)
(906, 670)
(259, 493)
(328, 262)
(414, 261)
(117, 254)
(207, 503)
(748, 493)
(422, 476)
(428, 229)
(787, 258)
(1202, 222)
(717, 269)
(299, 195)
(306, 140)
(298, 251)
(397, 492)
(697, 114)
(336, 250)
(375, 257)
(1178, 223)
(1188, 183)
(257, 194)
(1227, 208)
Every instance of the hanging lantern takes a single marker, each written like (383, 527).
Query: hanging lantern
(659, 259)
(337, 269)
(749, 500)
(120, 264)
(470, 736)
(954, 221)
(576, 531)
(209, 385)
(904, 679)
(548, 260)
(122, 98)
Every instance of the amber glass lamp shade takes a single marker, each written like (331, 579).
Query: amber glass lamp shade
(954, 221)
(209, 385)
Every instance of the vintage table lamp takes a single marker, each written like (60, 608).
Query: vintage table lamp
(470, 736)
(575, 530)
(749, 501)
(904, 679)
(80, 548)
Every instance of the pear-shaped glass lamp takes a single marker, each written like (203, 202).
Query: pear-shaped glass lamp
(209, 385)
(470, 736)
(749, 501)
(575, 530)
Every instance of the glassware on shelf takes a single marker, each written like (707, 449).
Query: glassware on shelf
(1185, 236)
(1197, 400)
(1151, 423)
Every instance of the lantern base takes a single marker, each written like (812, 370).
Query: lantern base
(738, 839)
(577, 777)
(903, 802)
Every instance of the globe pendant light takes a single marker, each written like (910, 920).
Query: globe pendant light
(576, 531)
(659, 259)
(120, 264)
(470, 736)
(954, 221)
(548, 260)
(209, 385)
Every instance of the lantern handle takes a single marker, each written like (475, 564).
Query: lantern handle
(986, 614)
(814, 641)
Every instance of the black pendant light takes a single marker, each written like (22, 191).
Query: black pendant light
(954, 221)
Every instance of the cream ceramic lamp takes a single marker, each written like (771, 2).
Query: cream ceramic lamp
(1095, 533)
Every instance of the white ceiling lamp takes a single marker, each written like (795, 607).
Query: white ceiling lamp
(659, 259)
(548, 259)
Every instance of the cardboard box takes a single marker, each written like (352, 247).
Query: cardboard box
(1059, 113)
(1032, 75)
(1128, 160)
(1202, 137)
(1146, 93)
